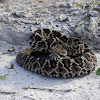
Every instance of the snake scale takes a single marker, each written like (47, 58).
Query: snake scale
(54, 54)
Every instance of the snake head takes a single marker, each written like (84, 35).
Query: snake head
(58, 48)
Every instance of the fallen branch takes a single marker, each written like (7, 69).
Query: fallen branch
(3, 92)
(47, 89)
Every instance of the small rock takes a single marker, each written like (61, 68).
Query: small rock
(63, 17)
(11, 49)
(57, 26)
(12, 66)
(18, 14)
(37, 14)
(93, 13)
(75, 13)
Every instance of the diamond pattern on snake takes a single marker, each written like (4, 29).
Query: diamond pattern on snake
(54, 54)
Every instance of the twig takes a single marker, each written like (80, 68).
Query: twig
(28, 97)
(47, 89)
(3, 92)
(34, 23)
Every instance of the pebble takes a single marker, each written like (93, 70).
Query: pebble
(75, 13)
(11, 49)
(18, 14)
(12, 66)
(94, 13)
(37, 14)
(82, 12)
(63, 17)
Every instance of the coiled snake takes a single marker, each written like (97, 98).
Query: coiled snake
(54, 54)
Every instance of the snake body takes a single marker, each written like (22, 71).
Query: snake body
(54, 54)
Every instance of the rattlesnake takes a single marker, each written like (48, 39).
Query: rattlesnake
(54, 54)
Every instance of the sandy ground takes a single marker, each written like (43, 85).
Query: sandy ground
(17, 21)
